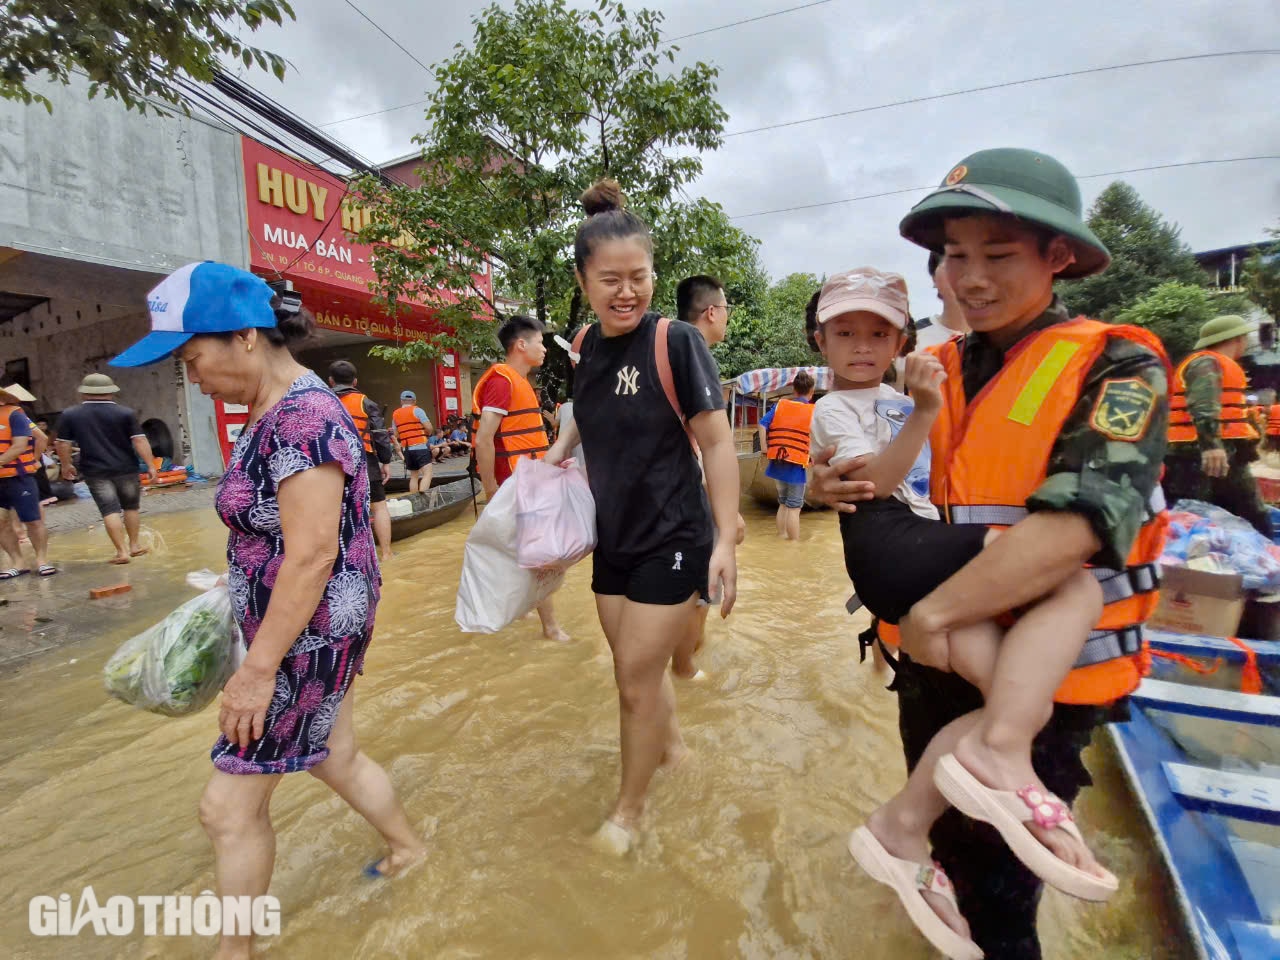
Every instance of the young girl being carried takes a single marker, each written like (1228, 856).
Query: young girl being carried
(896, 553)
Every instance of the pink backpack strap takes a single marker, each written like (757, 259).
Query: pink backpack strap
(662, 357)
(577, 341)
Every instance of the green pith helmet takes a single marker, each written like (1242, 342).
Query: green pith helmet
(1224, 328)
(1030, 186)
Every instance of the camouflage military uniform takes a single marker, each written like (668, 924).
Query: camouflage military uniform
(1110, 482)
(1185, 480)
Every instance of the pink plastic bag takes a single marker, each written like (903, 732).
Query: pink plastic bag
(555, 516)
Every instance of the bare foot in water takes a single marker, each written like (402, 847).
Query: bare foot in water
(686, 669)
(1011, 771)
(554, 631)
(139, 551)
(616, 837)
(674, 757)
(119, 559)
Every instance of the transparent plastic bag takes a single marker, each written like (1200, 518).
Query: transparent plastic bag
(555, 516)
(179, 666)
(494, 589)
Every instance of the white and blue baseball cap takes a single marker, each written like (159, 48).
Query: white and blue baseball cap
(199, 298)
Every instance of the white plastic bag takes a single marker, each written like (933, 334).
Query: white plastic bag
(555, 515)
(495, 590)
(178, 666)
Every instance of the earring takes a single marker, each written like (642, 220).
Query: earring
(248, 348)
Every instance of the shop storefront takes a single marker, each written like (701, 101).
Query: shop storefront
(299, 222)
(97, 204)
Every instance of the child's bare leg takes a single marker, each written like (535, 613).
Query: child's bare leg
(1035, 656)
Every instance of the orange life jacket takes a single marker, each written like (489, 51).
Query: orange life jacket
(1233, 421)
(354, 402)
(522, 432)
(1273, 420)
(25, 465)
(990, 455)
(409, 429)
(789, 432)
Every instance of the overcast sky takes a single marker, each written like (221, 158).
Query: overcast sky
(845, 54)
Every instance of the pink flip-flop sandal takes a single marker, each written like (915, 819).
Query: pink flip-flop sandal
(910, 881)
(1009, 812)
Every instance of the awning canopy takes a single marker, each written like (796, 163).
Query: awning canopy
(772, 379)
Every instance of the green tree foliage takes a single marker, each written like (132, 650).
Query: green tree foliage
(771, 332)
(1262, 275)
(1146, 251)
(131, 51)
(546, 100)
(1174, 312)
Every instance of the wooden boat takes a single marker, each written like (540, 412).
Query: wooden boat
(1200, 758)
(438, 506)
(752, 391)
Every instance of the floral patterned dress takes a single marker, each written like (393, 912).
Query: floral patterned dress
(308, 428)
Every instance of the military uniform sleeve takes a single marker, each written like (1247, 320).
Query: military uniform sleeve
(1107, 460)
(1204, 401)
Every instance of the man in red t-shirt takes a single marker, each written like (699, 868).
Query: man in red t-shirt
(505, 403)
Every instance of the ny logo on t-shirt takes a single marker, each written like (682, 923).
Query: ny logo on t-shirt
(628, 381)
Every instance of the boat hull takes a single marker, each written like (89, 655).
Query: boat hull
(444, 503)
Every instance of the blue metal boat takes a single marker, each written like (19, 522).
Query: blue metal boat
(1203, 761)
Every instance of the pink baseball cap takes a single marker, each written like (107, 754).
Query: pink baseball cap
(865, 288)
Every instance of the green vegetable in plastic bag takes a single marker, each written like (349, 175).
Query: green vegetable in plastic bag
(178, 666)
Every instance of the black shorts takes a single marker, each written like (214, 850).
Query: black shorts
(417, 459)
(20, 495)
(896, 558)
(377, 491)
(666, 577)
(113, 494)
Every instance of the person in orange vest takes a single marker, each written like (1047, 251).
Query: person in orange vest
(367, 417)
(784, 435)
(508, 422)
(1054, 428)
(19, 495)
(411, 430)
(1212, 439)
(1273, 426)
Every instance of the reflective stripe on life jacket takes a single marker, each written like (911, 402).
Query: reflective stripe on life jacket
(1233, 421)
(25, 465)
(522, 432)
(409, 429)
(990, 455)
(789, 432)
(354, 402)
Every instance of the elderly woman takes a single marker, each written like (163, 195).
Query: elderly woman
(303, 571)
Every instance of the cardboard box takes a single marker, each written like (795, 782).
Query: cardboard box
(1196, 601)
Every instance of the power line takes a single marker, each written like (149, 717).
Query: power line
(1000, 86)
(388, 36)
(1087, 176)
(683, 36)
(738, 23)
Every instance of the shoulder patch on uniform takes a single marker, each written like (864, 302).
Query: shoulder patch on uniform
(1123, 409)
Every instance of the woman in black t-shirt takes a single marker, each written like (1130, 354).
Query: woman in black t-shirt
(656, 552)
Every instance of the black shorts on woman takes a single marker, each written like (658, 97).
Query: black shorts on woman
(653, 519)
(896, 558)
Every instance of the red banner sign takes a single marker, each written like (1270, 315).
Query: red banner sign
(300, 221)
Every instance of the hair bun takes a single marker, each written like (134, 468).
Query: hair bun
(603, 196)
(294, 322)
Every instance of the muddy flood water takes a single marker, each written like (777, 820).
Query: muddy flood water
(504, 749)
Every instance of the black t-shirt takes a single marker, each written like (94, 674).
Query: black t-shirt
(104, 432)
(644, 476)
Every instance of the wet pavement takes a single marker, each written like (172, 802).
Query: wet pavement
(504, 749)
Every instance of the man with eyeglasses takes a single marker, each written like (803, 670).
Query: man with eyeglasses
(701, 302)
